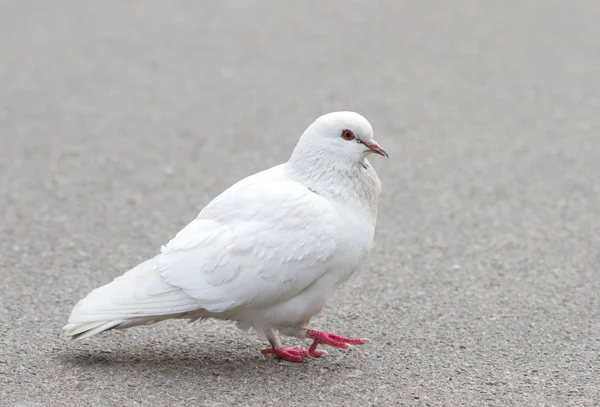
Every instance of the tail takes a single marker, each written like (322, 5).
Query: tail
(140, 296)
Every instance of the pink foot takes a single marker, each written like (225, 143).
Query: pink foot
(293, 354)
(330, 339)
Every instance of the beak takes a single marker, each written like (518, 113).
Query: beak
(376, 148)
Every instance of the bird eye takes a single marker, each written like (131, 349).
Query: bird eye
(347, 135)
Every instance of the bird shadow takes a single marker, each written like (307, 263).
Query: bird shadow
(197, 363)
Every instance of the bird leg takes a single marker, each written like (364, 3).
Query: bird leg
(330, 339)
(293, 354)
(297, 354)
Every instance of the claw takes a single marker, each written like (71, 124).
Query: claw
(317, 353)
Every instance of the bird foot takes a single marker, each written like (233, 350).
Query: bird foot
(330, 339)
(293, 354)
(297, 354)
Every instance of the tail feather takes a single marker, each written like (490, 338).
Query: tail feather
(83, 331)
(139, 297)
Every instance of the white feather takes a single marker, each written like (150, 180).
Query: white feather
(267, 253)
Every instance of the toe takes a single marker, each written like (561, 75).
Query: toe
(358, 341)
(297, 352)
(294, 354)
(292, 357)
(318, 353)
(337, 344)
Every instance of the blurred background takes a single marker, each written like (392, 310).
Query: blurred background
(120, 120)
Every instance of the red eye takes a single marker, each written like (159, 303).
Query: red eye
(347, 135)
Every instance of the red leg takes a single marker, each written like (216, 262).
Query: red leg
(330, 339)
(293, 354)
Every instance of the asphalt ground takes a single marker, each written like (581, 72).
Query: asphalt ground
(120, 120)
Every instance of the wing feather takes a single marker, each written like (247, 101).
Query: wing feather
(253, 246)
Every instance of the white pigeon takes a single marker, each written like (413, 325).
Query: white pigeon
(266, 253)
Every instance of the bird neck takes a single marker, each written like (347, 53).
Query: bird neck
(354, 184)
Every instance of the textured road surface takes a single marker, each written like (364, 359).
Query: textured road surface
(119, 120)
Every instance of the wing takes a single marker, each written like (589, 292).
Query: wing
(255, 244)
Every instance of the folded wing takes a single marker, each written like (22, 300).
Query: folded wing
(255, 245)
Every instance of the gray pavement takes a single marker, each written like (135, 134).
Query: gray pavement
(119, 120)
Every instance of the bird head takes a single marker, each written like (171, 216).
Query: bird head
(345, 135)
